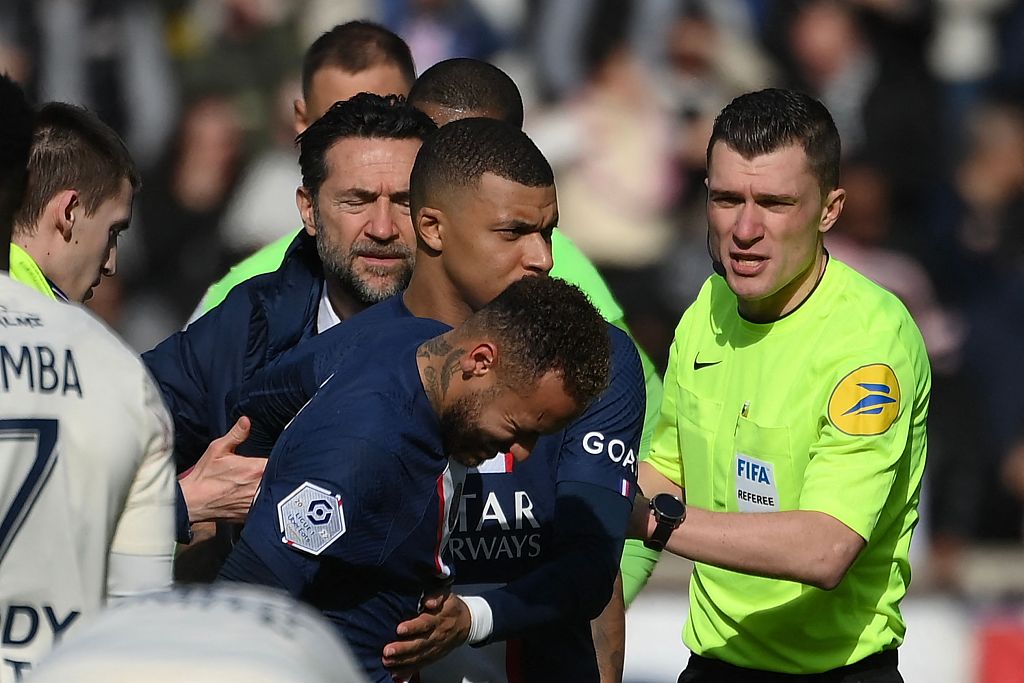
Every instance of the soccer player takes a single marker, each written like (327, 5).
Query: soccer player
(354, 57)
(793, 421)
(87, 506)
(363, 488)
(78, 200)
(537, 545)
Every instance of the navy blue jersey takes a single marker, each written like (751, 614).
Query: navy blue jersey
(353, 511)
(541, 540)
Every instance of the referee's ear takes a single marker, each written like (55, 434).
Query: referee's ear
(831, 208)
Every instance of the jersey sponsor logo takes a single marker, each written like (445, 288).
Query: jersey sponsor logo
(311, 518)
(488, 530)
(866, 401)
(617, 451)
(11, 318)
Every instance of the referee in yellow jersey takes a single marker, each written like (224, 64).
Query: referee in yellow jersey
(793, 422)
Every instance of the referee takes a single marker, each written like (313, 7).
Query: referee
(793, 422)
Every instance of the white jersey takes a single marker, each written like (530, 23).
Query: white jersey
(86, 478)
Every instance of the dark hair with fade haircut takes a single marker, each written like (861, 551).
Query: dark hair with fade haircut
(458, 154)
(15, 144)
(765, 121)
(469, 85)
(544, 324)
(73, 149)
(364, 116)
(353, 47)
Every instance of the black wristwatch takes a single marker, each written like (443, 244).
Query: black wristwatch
(669, 512)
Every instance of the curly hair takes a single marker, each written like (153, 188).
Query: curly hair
(764, 121)
(458, 154)
(469, 85)
(544, 324)
(364, 116)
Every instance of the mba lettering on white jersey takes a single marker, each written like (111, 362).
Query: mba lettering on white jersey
(86, 477)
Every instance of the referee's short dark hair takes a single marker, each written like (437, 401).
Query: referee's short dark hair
(356, 46)
(765, 121)
(364, 116)
(458, 154)
(544, 324)
(470, 85)
(73, 149)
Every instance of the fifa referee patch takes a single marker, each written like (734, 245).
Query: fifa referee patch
(311, 518)
(866, 401)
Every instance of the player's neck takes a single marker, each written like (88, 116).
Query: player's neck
(438, 360)
(433, 296)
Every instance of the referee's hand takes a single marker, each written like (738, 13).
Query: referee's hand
(222, 484)
(442, 625)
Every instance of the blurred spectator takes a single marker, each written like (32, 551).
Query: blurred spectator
(181, 206)
(106, 55)
(611, 147)
(887, 116)
(990, 182)
(441, 29)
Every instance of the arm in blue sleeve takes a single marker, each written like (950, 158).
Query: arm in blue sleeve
(590, 523)
(184, 367)
(275, 394)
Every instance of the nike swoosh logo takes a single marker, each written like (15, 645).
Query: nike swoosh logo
(697, 365)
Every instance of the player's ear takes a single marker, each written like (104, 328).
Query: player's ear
(304, 202)
(299, 122)
(480, 359)
(430, 227)
(66, 206)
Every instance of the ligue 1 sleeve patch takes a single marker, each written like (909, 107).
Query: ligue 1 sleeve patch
(311, 518)
(866, 401)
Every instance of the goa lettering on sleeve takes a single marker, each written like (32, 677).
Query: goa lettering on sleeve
(617, 450)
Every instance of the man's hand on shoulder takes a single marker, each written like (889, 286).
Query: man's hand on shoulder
(222, 484)
(442, 625)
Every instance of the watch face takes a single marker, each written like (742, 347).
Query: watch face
(668, 505)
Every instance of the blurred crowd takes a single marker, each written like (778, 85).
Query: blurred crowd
(928, 98)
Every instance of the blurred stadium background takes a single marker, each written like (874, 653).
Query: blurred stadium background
(929, 99)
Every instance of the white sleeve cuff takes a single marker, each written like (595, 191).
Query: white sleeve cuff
(481, 618)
